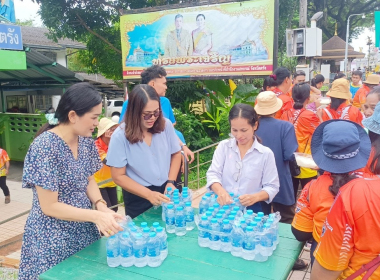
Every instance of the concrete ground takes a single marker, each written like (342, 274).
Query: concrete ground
(13, 217)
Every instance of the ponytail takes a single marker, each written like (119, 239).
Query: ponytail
(316, 80)
(339, 180)
(300, 93)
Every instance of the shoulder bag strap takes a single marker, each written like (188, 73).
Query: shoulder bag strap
(369, 268)
(298, 116)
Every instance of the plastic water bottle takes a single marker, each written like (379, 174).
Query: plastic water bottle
(177, 203)
(180, 222)
(239, 213)
(126, 250)
(164, 208)
(209, 216)
(260, 214)
(214, 235)
(243, 225)
(144, 224)
(260, 255)
(203, 205)
(203, 235)
(225, 238)
(170, 219)
(113, 251)
(145, 233)
(155, 226)
(267, 241)
(223, 213)
(139, 251)
(227, 209)
(231, 220)
(169, 191)
(189, 212)
(237, 236)
(211, 209)
(161, 234)
(185, 197)
(153, 250)
(219, 218)
(276, 236)
(248, 252)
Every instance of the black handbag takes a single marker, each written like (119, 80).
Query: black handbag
(295, 170)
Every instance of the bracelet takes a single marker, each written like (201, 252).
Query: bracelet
(170, 182)
(100, 200)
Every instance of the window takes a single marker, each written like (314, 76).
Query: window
(119, 103)
(17, 104)
(43, 102)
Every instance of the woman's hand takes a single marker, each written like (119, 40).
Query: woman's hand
(157, 198)
(169, 185)
(103, 208)
(107, 222)
(224, 197)
(248, 199)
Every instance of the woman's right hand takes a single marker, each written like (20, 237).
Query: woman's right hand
(224, 197)
(107, 222)
(156, 198)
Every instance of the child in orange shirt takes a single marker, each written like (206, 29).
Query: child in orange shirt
(4, 169)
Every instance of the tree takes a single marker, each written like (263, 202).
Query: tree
(28, 22)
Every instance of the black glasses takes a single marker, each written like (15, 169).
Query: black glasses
(155, 114)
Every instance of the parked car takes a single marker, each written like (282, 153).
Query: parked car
(114, 107)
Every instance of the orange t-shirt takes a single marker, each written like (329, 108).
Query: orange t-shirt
(289, 93)
(361, 96)
(352, 114)
(103, 176)
(350, 235)
(313, 205)
(287, 102)
(3, 159)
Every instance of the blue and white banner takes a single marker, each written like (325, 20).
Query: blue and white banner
(10, 37)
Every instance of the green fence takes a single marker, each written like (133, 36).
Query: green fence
(18, 131)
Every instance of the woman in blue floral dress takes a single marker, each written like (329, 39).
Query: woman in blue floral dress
(59, 168)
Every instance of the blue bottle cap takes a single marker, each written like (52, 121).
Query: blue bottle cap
(249, 228)
(176, 190)
(216, 205)
(226, 207)
(253, 224)
(266, 225)
(231, 217)
(249, 212)
(242, 222)
(236, 208)
(156, 224)
(167, 195)
(188, 203)
(185, 194)
(204, 218)
(213, 220)
(146, 229)
(233, 212)
(176, 201)
(131, 224)
(257, 219)
(211, 209)
(185, 188)
(204, 198)
(125, 234)
(159, 229)
(208, 213)
(179, 208)
(169, 189)
(222, 212)
(270, 220)
(272, 215)
(208, 194)
(246, 216)
(144, 224)
(152, 234)
(231, 194)
(218, 216)
(138, 235)
(170, 206)
(133, 229)
(260, 214)
(226, 222)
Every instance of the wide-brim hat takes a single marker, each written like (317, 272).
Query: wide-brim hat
(340, 88)
(267, 103)
(340, 146)
(372, 79)
(373, 122)
(104, 125)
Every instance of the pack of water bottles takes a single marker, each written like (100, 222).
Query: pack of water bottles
(178, 214)
(232, 228)
(138, 246)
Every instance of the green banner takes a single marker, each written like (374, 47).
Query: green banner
(12, 60)
(377, 28)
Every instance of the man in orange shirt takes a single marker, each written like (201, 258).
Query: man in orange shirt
(298, 77)
(361, 95)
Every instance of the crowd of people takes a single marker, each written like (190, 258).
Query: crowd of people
(336, 211)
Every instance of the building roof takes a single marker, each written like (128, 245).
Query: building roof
(37, 37)
(106, 86)
(335, 47)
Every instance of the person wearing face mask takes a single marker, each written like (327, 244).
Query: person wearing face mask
(242, 165)
(59, 168)
(144, 153)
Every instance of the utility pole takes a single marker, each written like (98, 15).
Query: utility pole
(302, 24)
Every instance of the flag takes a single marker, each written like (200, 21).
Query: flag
(377, 28)
(232, 86)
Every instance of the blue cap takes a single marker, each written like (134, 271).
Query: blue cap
(176, 190)
(211, 209)
(231, 194)
(138, 235)
(246, 216)
(208, 194)
(216, 205)
(167, 195)
(266, 225)
(231, 217)
(144, 224)
(185, 194)
(226, 207)
(125, 234)
(204, 218)
(159, 229)
(131, 224)
(236, 208)
(272, 215)
(185, 188)
(218, 216)
(233, 212)
(213, 220)
(208, 213)
(179, 208)
(260, 214)
(253, 224)
(170, 206)
(169, 188)
(204, 198)
(156, 224)
(242, 222)
(270, 220)
(257, 219)
(152, 234)
(133, 229)
(222, 211)
(249, 228)
(176, 201)
(249, 212)
(146, 229)
(226, 222)
(188, 203)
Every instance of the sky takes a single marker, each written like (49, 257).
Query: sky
(27, 9)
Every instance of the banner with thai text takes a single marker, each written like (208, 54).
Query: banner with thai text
(223, 40)
(10, 37)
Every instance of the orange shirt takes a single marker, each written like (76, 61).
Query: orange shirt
(103, 176)
(361, 96)
(3, 159)
(289, 93)
(287, 102)
(313, 206)
(350, 236)
(352, 114)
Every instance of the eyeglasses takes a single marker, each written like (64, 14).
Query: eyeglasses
(155, 114)
(239, 167)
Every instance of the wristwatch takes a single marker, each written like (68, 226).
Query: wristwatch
(170, 181)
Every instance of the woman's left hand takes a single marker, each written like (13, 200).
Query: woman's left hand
(248, 199)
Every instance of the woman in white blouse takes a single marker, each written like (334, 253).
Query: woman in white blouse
(242, 165)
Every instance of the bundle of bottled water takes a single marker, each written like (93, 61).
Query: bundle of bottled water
(178, 214)
(232, 228)
(138, 246)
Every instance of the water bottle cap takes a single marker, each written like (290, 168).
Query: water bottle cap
(211, 209)
(125, 234)
(204, 218)
(257, 219)
(231, 194)
(226, 207)
(176, 201)
(216, 205)
(146, 229)
(208, 194)
(222, 211)
(253, 224)
(249, 228)
(179, 208)
(242, 222)
(270, 220)
(169, 189)
(213, 220)
(176, 190)
(152, 234)
(138, 235)
(170, 206)
(204, 198)
(188, 203)
(231, 217)
(219, 216)
(249, 212)
(208, 213)
(236, 208)
(131, 224)
(185, 188)
(272, 215)
(167, 195)
(144, 224)
(185, 194)
(266, 225)
(133, 229)
(260, 214)
(159, 229)
(216, 196)
(233, 213)
(156, 224)
(246, 216)
(226, 222)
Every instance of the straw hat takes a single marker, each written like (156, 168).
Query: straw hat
(340, 89)
(267, 103)
(372, 79)
(104, 125)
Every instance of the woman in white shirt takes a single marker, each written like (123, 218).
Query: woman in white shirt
(242, 165)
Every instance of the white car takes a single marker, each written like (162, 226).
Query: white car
(114, 107)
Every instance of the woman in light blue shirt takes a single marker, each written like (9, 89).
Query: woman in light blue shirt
(144, 153)
(242, 165)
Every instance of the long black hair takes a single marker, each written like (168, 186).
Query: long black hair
(300, 93)
(80, 98)
(316, 80)
(336, 102)
(281, 74)
(268, 82)
(244, 111)
(339, 180)
(374, 165)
